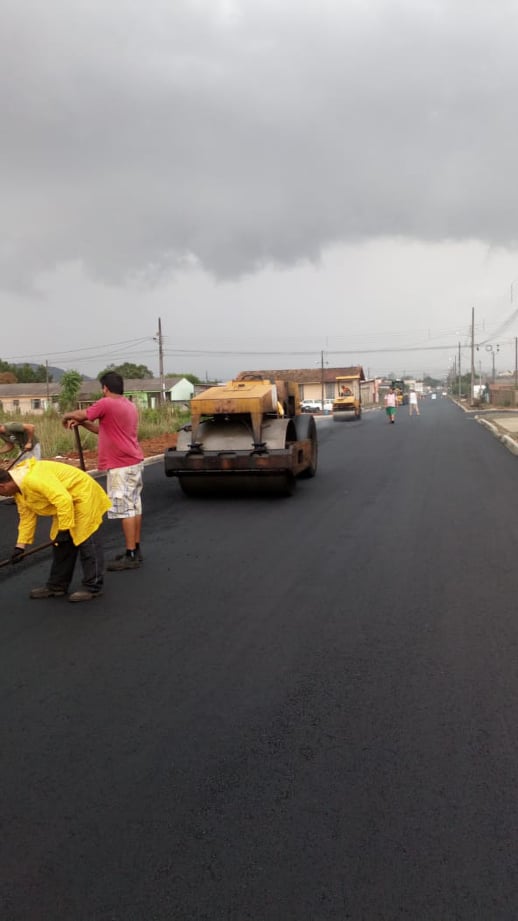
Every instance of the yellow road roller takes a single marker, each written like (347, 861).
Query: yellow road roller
(246, 436)
(348, 402)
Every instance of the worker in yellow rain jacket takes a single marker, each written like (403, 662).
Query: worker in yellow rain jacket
(76, 503)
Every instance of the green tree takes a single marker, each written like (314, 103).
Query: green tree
(129, 371)
(465, 384)
(26, 373)
(41, 374)
(30, 374)
(12, 370)
(431, 381)
(70, 386)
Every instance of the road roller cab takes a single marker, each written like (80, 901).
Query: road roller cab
(348, 402)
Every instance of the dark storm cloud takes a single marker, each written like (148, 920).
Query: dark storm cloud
(137, 138)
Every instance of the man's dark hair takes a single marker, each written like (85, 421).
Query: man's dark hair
(113, 381)
(5, 476)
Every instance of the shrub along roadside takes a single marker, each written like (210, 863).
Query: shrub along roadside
(57, 440)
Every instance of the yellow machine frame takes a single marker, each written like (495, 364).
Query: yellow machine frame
(349, 396)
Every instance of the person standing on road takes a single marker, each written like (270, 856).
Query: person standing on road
(114, 419)
(390, 404)
(22, 436)
(413, 404)
(76, 503)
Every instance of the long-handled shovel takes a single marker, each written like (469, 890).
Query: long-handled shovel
(79, 448)
(15, 461)
(27, 553)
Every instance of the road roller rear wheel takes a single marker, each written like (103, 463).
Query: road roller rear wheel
(306, 428)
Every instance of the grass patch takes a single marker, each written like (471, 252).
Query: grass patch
(55, 439)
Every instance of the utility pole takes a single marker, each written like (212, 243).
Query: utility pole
(460, 375)
(47, 382)
(161, 362)
(472, 355)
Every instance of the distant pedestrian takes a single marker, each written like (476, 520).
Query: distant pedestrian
(20, 436)
(76, 503)
(413, 404)
(114, 419)
(390, 405)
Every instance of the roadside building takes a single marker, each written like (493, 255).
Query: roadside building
(35, 399)
(320, 384)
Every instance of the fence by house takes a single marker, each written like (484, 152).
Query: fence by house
(503, 395)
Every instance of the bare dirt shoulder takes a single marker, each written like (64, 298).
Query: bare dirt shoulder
(151, 447)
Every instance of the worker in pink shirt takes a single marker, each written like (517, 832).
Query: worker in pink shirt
(114, 419)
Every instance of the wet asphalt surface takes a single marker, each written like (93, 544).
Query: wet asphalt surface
(297, 709)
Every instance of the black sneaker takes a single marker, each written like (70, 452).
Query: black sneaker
(138, 556)
(125, 562)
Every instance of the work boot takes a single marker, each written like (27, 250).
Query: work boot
(125, 562)
(45, 592)
(84, 595)
(138, 556)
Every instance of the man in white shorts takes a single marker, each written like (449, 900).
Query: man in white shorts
(413, 405)
(114, 419)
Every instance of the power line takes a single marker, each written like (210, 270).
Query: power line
(365, 351)
(88, 348)
(127, 347)
(501, 329)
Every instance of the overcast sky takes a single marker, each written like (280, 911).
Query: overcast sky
(278, 181)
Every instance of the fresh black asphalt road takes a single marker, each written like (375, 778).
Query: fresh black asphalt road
(298, 709)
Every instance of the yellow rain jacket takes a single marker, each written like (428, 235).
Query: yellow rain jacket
(71, 497)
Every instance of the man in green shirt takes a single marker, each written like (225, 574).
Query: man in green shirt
(22, 437)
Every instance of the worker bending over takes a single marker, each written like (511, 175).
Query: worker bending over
(76, 503)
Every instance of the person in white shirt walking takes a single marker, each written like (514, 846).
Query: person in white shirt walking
(413, 404)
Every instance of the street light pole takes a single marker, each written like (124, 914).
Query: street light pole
(493, 350)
